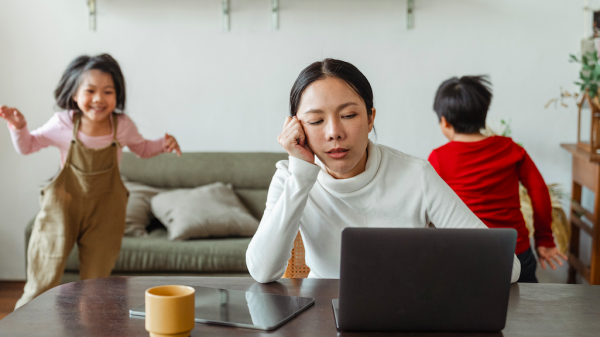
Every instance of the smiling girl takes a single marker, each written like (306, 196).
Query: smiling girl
(336, 178)
(85, 203)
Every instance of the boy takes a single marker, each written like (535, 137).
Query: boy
(485, 171)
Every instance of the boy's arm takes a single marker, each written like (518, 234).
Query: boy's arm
(531, 178)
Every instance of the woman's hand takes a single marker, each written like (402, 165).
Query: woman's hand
(293, 140)
(547, 254)
(171, 145)
(13, 117)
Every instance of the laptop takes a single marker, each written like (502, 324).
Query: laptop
(422, 279)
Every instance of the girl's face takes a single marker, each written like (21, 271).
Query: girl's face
(96, 95)
(336, 125)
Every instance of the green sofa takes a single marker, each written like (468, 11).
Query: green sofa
(249, 173)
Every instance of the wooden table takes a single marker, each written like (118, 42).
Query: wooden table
(100, 308)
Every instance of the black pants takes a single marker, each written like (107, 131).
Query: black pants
(528, 266)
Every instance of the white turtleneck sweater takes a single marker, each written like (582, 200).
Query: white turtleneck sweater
(396, 190)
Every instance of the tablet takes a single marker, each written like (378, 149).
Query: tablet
(245, 309)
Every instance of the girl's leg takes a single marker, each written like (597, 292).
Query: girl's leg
(100, 239)
(51, 242)
(528, 267)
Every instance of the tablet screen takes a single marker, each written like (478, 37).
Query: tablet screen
(242, 308)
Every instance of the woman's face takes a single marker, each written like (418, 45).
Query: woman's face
(336, 125)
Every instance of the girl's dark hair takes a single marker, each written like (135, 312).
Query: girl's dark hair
(464, 102)
(71, 78)
(331, 68)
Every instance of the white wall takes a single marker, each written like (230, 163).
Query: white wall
(229, 91)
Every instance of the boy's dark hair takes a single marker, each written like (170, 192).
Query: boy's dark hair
(464, 102)
(331, 68)
(71, 78)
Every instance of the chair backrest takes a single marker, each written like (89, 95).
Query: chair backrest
(296, 267)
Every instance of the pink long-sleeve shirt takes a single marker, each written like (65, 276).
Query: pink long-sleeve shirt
(58, 132)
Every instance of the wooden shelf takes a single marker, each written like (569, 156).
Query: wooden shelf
(586, 172)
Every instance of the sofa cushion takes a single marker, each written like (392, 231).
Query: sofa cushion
(139, 212)
(249, 173)
(210, 210)
(155, 253)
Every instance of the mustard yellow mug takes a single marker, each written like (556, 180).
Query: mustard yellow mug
(170, 311)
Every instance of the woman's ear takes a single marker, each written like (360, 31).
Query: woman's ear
(372, 119)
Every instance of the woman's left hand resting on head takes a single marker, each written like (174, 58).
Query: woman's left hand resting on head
(548, 254)
(171, 145)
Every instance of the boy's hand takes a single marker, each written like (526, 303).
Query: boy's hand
(13, 117)
(548, 254)
(293, 140)
(172, 145)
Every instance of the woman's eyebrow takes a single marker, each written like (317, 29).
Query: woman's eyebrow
(339, 108)
(345, 105)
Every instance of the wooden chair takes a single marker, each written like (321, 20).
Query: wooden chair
(296, 267)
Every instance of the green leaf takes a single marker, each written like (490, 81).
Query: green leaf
(573, 58)
(584, 59)
(593, 90)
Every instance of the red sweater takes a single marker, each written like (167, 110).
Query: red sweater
(486, 174)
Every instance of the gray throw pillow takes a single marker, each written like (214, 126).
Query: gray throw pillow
(139, 211)
(210, 210)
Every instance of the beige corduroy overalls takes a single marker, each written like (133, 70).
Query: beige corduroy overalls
(86, 204)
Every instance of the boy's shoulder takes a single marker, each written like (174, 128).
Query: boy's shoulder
(507, 143)
(490, 142)
(491, 147)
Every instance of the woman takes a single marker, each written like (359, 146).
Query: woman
(336, 178)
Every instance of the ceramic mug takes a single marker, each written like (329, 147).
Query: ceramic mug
(170, 311)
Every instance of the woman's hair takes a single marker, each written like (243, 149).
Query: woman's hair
(331, 68)
(71, 78)
(464, 102)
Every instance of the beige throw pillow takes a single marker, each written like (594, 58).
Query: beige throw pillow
(210, 210)
(139, 211)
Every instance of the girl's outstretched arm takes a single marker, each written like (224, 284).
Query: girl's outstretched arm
(15, 119)
(129, 136)
(172, 145)
(24, 141)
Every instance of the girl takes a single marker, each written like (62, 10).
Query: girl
(336, 178)
(86, 202)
